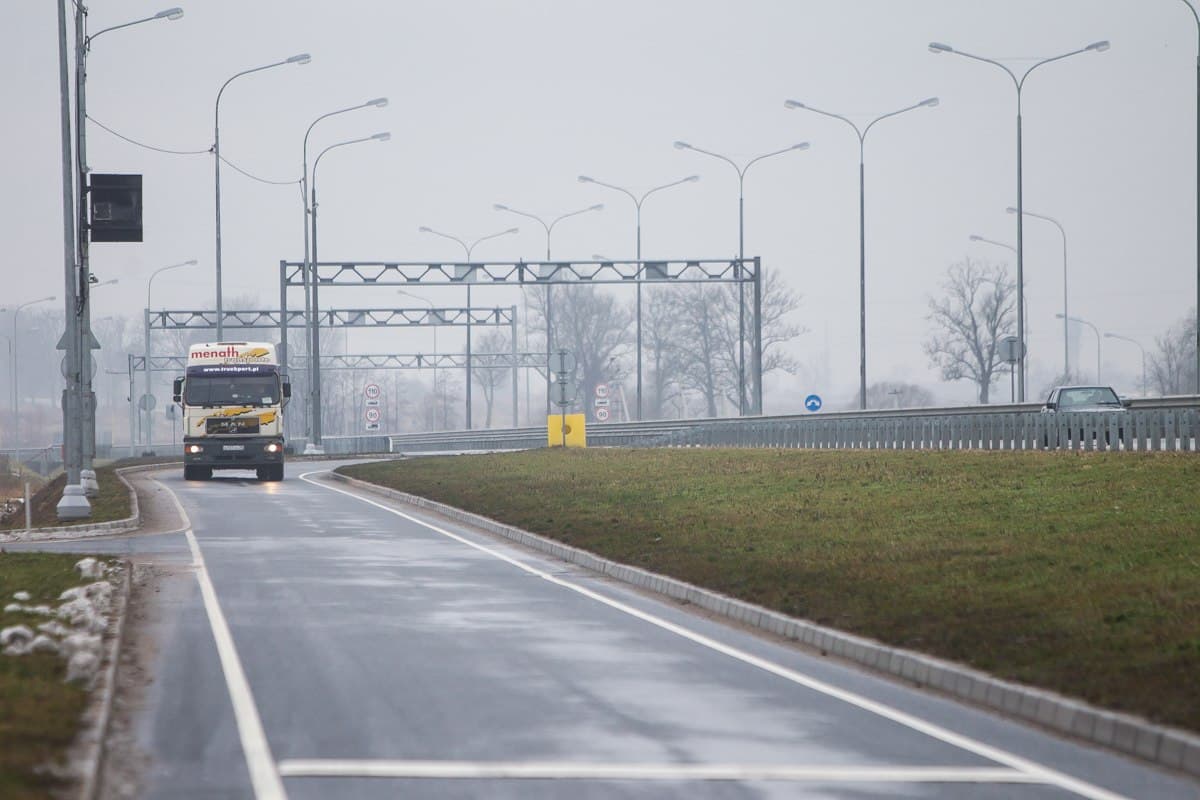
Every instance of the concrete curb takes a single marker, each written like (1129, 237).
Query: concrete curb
(92, 739)
(1127, 734)
(130, 523)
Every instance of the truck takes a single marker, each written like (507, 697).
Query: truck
(232, 396)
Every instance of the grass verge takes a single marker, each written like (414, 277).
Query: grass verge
(39, 713)
(1073, 572)
(112, 504)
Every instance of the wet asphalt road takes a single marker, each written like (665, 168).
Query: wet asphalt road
(330, 647)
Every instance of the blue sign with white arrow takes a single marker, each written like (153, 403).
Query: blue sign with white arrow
(813, 402)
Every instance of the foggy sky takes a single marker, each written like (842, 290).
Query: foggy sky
(507, 102)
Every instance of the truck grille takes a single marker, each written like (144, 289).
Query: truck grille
(232, 425)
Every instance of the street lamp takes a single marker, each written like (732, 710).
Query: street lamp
(741, 173)
(436, 397)
(302, 58)
(549, 226)
(310, 321)
(1196, 18)
(16, 351)
(468, 278)
(1019, 84)
(1138, 344)
(1063, 233)
(930, 102)
(974, 237)
(314, 362)
(637, 202)
(149, 418)
(1095, 330)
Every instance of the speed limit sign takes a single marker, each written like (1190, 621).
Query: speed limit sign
(372, 415)
(371, 391)
(602, 414)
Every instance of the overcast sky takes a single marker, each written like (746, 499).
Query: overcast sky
(509, 101)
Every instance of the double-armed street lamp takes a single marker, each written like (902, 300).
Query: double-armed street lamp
(1137, 344)
(314, 362)
(1019, 84)
(861, 132)
(549, 227)
(741, 173)
(148, 423)
(638, 200)
(1095, 330)
(468, 278)
(301, 58)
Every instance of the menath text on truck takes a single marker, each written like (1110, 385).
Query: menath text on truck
(233, 397)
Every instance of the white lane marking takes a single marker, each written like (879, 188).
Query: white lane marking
(263, 775)
(372, 768)
(1043, 773)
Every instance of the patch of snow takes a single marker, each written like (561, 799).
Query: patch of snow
(11, 607)
(82, 667)
(43, 644)
(22, 596)
(91, 568)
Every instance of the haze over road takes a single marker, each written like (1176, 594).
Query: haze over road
(334, 645)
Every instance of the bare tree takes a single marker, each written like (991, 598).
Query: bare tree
(969, 322)
(1173, 364)
(778, 302)
(487, 377)
(662, 343)
(589, 323)
(895, 394)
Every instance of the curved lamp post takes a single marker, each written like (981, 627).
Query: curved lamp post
(741, 173)
(148, 417)
(1139, 347)
(637, 202)
(929, 102)
(1094, 330)
(468, 249)
(310, 320)
(1019, 84)
(302, 58)
(314, 361)
(549, 226)
(1063, 233)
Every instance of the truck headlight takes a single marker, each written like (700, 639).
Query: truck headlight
(194, 448)
(272, 448)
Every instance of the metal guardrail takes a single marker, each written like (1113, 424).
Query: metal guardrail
(1170, 423)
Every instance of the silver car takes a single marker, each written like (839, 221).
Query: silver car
(1086, 400)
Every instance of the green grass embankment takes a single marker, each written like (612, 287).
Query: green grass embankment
(1074, 572)
(112, 504)
(39, 712)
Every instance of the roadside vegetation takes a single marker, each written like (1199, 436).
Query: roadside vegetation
(39, 712)
(1077, 572)
(112, 504)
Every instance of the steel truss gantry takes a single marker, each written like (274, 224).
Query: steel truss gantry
(739, 271)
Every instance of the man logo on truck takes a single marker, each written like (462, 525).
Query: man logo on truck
(232, 397)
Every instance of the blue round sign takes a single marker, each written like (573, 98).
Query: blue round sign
(813, 402)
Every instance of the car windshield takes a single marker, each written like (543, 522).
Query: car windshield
(1088, 396)
(241, 390)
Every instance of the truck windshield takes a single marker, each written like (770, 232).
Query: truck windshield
(242, 390)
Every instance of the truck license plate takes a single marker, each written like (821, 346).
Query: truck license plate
(233, 447)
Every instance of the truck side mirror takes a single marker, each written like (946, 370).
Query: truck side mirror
(287, 390)
(177, 390)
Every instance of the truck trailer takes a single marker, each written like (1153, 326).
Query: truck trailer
(232, 396)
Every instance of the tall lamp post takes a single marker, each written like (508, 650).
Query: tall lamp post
(16, 396)
(1196, 18)
(930, 102)
(1138, 344)
(309, 318)
(314, 362)
(549, 226)
(436, 397)
(148, 424)
(637, 202)
(468, 249)
(1063, 233)
(1095, 330)
(1019, 84)
(741, 173)
(302, 58)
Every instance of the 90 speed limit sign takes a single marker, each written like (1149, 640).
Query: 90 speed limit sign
(602, 414)
(372, 415)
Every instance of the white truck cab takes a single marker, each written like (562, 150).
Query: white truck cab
(232, 396)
